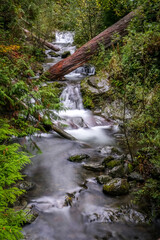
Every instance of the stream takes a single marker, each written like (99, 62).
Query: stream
(70, 203)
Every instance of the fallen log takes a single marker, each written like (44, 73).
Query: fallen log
(58, 130)
(84, 53)
(41, 40)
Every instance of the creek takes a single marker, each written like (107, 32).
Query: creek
(70, 203)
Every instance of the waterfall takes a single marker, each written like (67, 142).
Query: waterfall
(71, 97)
(80, 123)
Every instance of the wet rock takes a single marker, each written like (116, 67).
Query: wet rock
(78, 158)
(94, 167)
(115, 151)
(53, 54)
(135, 176)
(65, 54)
(101, 84)
(117, 171)
(103, 179)
(20, 204)
(116, 187)
(105, 150)
(114, 110)
(113, 163)
(123, 215)
(30, 214)
(25, 185)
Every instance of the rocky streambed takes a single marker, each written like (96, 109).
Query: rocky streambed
(84, 189)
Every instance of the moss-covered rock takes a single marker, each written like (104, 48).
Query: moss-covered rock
(116, 187)
(30, 214)
(113, 163)
(65, 54)
(103, 179)
(78, 158)
(53, 54)
(107, 160)
(117, 171)
(25, 185)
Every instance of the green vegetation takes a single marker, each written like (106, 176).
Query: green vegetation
(12, 160)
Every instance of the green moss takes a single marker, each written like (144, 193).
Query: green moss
(130, 168)
(78, 158)
(116, 187)
(108, 188)
(108, 159)
(66, 54)
(112, 164)
(53, 54)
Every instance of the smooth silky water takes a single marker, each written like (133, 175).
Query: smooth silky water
(59, 181)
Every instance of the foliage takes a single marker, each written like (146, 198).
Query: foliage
(149, 197)
(11, 162)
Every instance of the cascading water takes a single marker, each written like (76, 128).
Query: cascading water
(70, 203)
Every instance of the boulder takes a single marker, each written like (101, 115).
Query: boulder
(103, 179)
(116, 187)
(135, 176)
(78, 158)
(25, 185)
(96, 167)
(53, 54)
(113, 163)
(117, 171)
(117, 215)
(30, 214)
(108, 159)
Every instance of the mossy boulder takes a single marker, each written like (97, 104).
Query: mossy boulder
(113, 163)
(103, 179)
(108, 159)
(53, 54)
(65, 54)
(78, 158)
(116, 187)
(115, 151)
(25, 185)
(30, 214)
(117, 171)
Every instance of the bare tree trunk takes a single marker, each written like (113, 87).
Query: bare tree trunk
(41, 40)
(84, 53)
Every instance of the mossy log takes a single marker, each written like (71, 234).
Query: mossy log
(41, 40)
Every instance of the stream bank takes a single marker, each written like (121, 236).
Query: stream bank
(82, 189)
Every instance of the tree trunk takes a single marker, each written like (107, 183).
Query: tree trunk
(58, 130)
(41, 40)
(84, 53)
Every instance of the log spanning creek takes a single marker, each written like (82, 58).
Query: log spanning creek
(69, 175)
